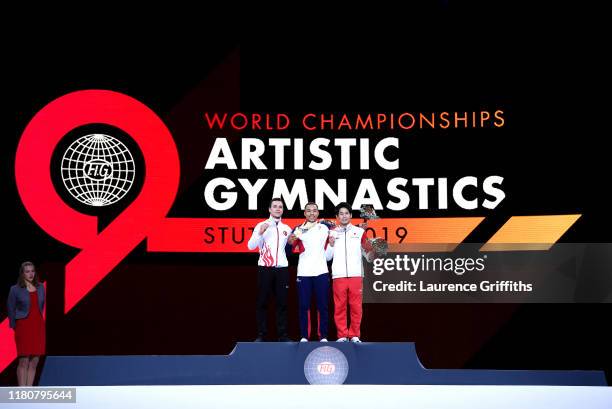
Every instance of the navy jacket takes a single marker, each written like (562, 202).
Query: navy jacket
(18, 303)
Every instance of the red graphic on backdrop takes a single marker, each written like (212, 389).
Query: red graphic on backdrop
(100, 252)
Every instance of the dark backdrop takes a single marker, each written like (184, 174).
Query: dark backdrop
(537, 65)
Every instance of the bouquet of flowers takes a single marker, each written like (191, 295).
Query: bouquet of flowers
(380, 246)
(368, 212)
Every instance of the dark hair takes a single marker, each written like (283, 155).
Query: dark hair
(21, 281)
(343, 205)
(276, 199)
(311, 203)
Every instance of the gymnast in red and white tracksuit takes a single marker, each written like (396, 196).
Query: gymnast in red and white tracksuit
(347, 243)
(270, 236)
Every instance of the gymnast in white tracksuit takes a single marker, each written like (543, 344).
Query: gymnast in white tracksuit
(310, 239)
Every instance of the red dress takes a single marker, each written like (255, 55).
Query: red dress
(30, 331)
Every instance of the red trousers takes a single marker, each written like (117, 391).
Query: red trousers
(348, 291)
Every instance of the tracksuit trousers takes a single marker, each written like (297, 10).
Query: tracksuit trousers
(272, 281)
(348, 291)
(306, 286)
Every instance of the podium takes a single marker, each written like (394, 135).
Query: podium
(292, 363)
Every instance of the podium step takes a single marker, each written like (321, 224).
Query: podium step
(292, 363)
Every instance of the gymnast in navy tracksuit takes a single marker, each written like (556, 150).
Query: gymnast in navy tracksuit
(310, 239)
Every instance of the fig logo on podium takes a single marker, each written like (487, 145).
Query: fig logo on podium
(98, 169)
(326, 366)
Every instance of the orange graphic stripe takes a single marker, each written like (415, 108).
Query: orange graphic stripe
(530, 232)
(424, 234)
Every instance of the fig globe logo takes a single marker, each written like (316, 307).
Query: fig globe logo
(98, 169)
(326, 366)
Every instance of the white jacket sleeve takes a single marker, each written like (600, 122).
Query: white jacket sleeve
(256, 239)
(329, 252)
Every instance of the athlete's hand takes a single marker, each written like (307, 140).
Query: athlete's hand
(332, 240)
(371, 256)
(263, 228)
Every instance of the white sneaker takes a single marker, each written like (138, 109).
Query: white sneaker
(343, 339)
(323, 340)
(303, 340)
(355, 339)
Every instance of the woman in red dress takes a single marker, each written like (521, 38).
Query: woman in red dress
(25, 307)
